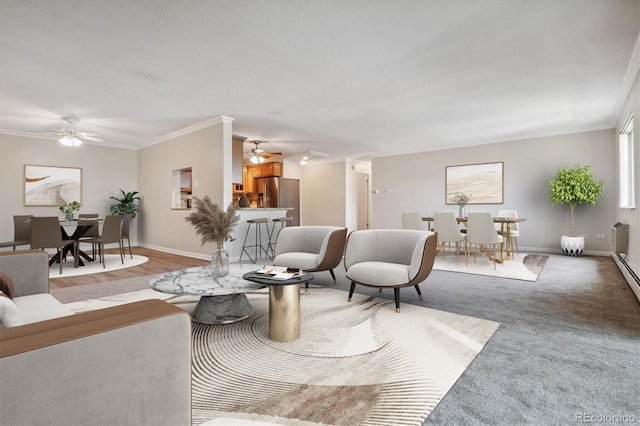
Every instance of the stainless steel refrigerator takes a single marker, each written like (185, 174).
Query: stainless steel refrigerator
(280, 192)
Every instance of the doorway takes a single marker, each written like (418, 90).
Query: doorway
(362, 200)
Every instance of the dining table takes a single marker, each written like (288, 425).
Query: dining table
(505, 230)
(79, 231)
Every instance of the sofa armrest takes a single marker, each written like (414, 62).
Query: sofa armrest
(129, 364)
(28, 270)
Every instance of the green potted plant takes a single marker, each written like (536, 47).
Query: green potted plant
(69, 209)
(214, 225)
(572, 187)
(125, 204)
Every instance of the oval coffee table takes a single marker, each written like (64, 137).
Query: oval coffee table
(222, 300)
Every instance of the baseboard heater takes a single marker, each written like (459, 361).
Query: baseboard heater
(632, 278)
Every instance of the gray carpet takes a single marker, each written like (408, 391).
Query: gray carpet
(568, 346)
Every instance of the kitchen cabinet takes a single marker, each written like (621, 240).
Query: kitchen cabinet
(249, 173)
(271, 169)
(267, 170)
(247, 179)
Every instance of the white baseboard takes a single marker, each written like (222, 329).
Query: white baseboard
(632, 278)
(178, 252)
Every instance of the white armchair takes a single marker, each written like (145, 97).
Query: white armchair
(390, 258)
(310, 248)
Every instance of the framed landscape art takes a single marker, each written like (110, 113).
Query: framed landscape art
(483, 183)
(51, 185)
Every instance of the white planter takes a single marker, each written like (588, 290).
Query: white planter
(572, 246)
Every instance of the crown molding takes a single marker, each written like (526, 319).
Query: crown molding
(222, 119)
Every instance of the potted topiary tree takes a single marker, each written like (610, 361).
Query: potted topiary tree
(572, 187)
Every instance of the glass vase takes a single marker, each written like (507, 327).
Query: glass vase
(68, 216)
(219, 261)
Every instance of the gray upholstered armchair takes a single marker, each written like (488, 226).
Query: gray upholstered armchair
(390, 258)
(310, 248)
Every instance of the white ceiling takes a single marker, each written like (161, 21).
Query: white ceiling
(350, 78)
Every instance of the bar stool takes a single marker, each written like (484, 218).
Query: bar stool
(258, 240)
(273, 236)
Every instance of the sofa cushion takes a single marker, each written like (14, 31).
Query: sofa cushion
(298, 260)
(379, 274)
(40, 307)
(9, 316)
(6, 285)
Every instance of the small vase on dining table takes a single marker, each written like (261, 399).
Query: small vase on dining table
(461, 212)
(68, 216)
(219, 260)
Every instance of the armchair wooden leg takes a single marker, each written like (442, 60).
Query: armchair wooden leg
(419, 292)
(351, 290)
(396, 297)
(333, 276)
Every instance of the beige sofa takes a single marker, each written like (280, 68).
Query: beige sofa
(126, 365)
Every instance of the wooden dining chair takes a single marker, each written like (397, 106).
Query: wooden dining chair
(481, 232)
(446, 226)
(21, 232)
(92, 232)
(46, 233)
(110, 234)
(413, 220)
(125, 232)
(513, 230)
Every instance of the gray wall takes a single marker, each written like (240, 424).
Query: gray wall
(417, 183)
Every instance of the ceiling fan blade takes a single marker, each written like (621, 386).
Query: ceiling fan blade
(91, 138)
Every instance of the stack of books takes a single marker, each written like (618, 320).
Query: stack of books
(279, 272)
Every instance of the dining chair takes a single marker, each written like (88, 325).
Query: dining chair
(46, 233)
(446, 226)
(125, 232)
(21, 232)
(514, 229)
(481, 232)
(413, 220)
(110, 234)
(93, 230)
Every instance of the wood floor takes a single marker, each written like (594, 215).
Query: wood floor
(158, 263)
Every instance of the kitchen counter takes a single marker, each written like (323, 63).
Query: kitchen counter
(263, 208)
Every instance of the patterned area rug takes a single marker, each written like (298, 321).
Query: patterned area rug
(524, 267)
(357, 363)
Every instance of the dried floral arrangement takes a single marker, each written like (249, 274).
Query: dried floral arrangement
(211, 222)
(461, 199)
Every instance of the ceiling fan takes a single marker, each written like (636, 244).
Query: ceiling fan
(257, 154)
(69, 136)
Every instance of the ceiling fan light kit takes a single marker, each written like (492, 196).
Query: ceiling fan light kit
(70, 140)
(68, 136)
(257, 157)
